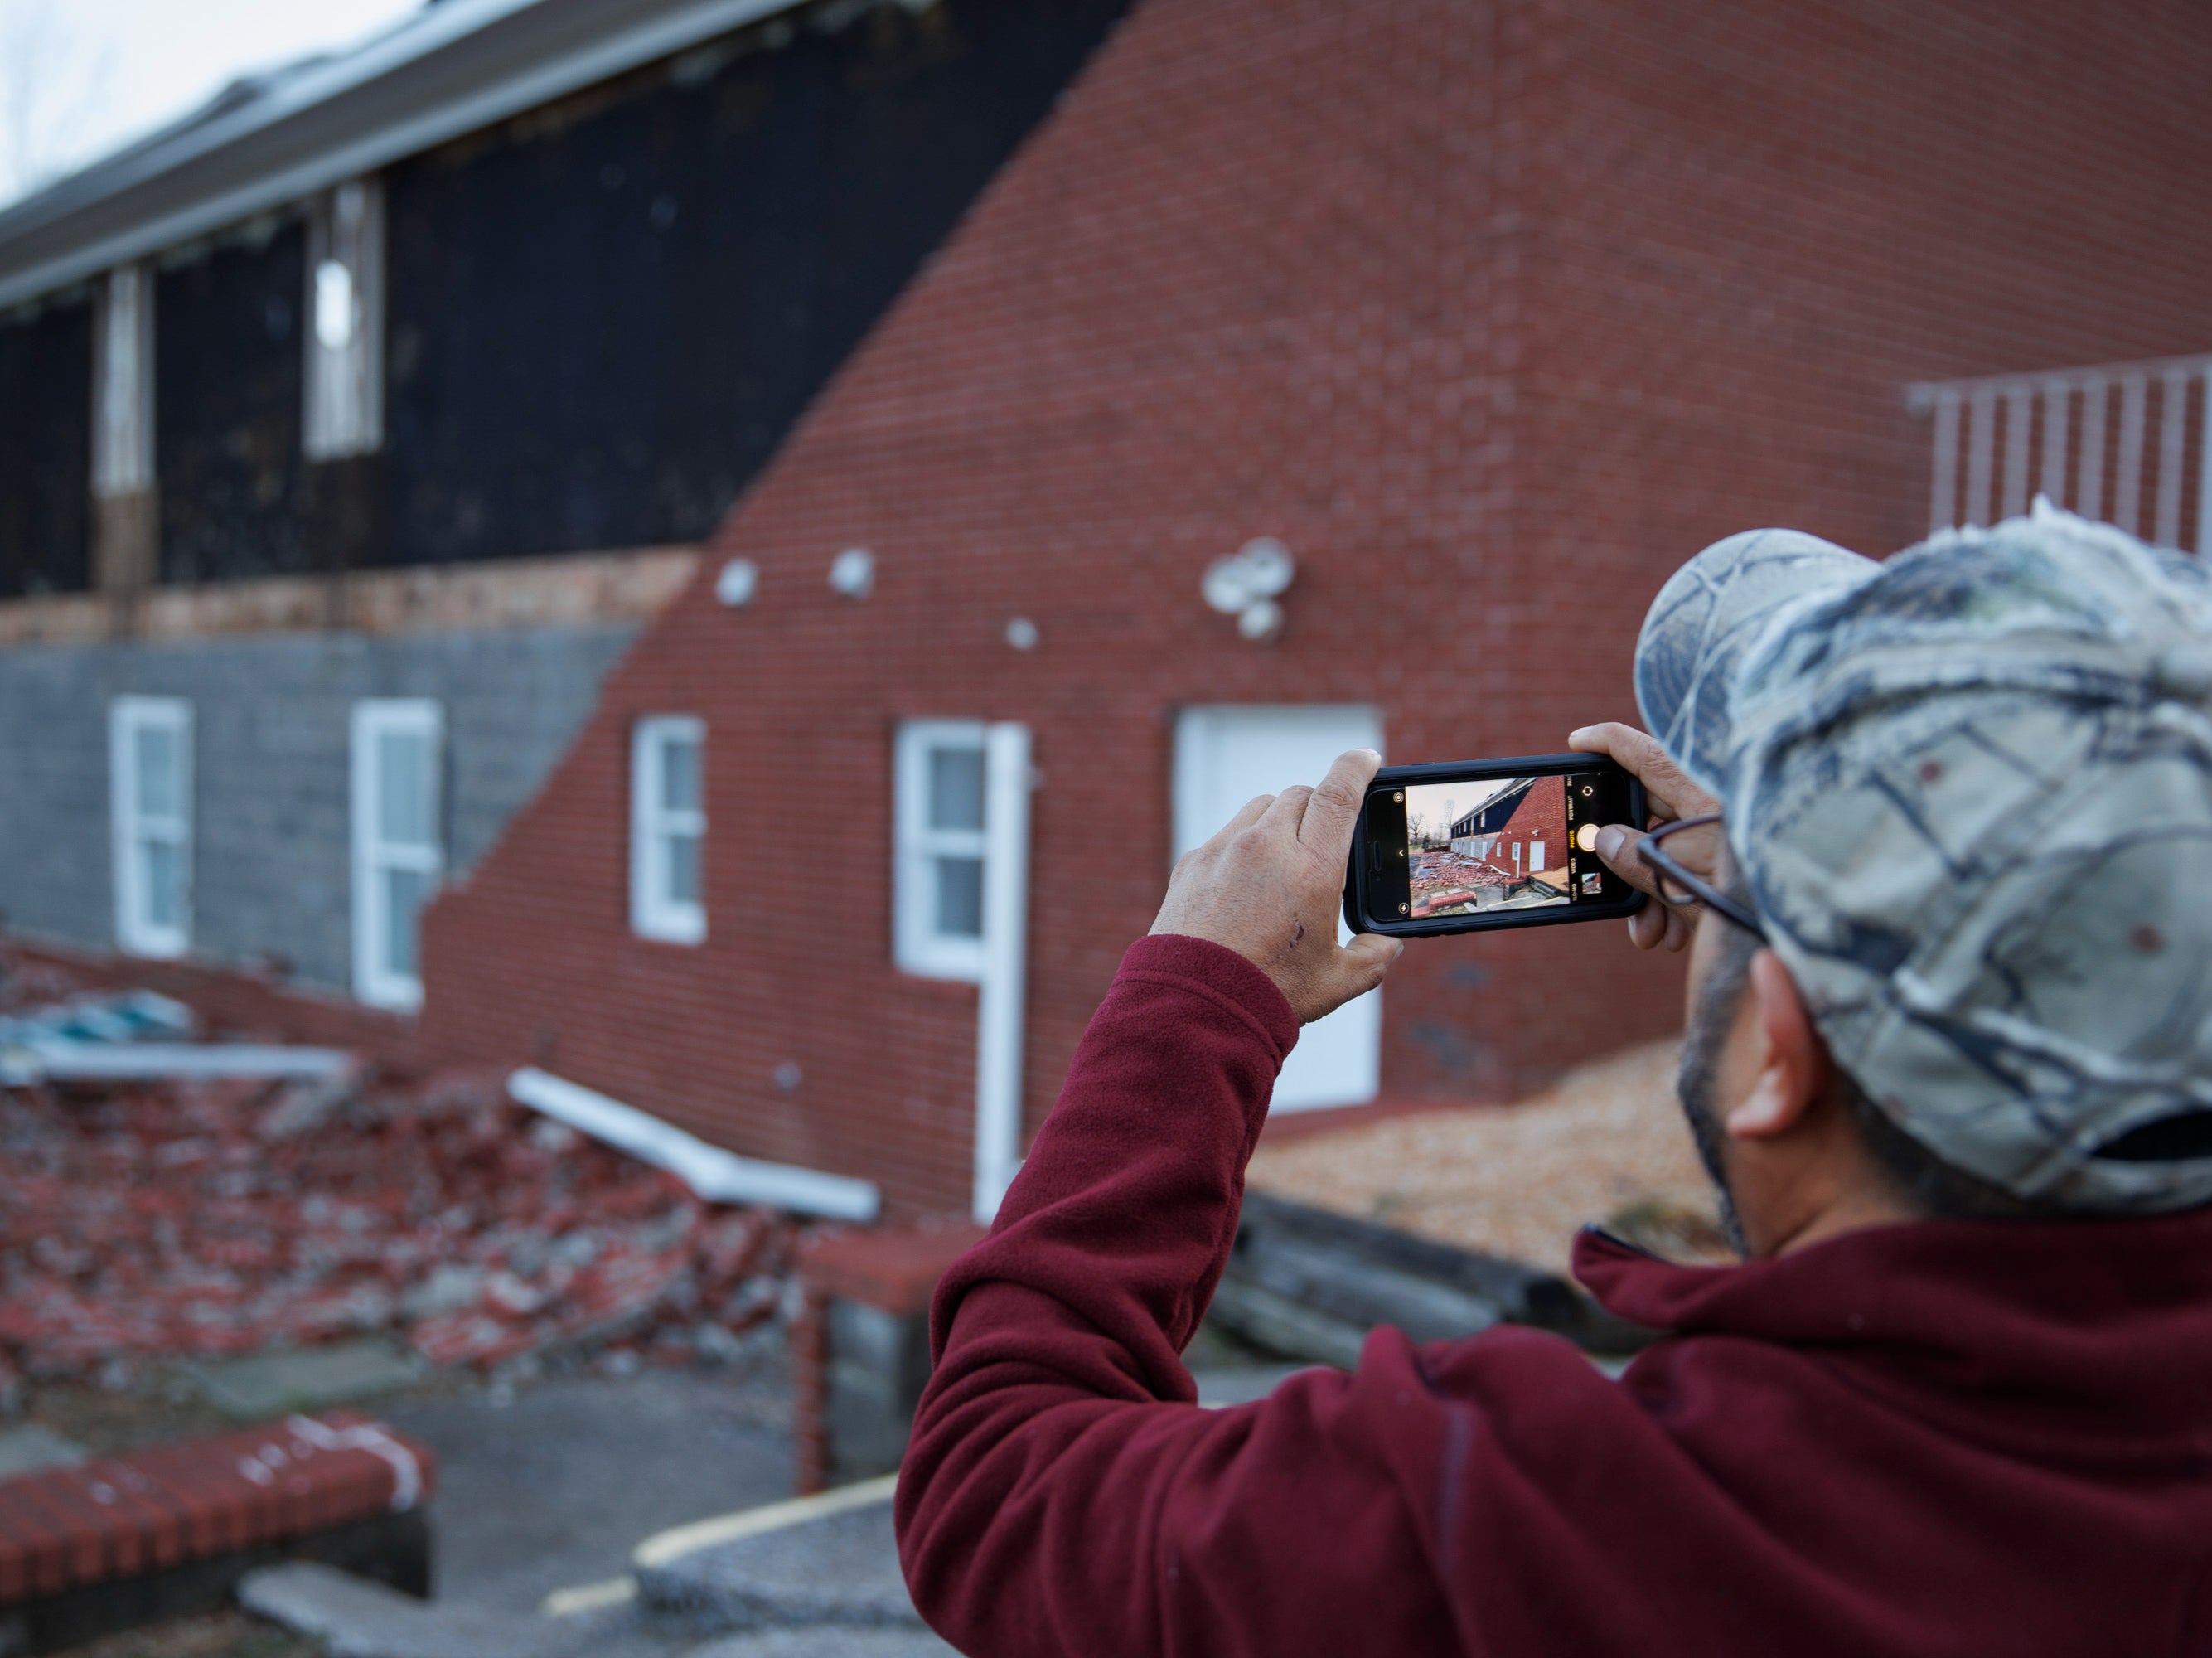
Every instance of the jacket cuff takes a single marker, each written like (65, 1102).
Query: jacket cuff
(1219, 974)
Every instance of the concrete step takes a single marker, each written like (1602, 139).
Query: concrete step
(828, 1644)
(838, 1569)
(356, 1618)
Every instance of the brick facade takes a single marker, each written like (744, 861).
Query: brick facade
(1539, 820)
(1493, 314)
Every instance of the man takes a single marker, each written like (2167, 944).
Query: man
(1950, 1058)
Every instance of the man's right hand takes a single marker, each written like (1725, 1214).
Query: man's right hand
(1269, 884)
(1672, 795)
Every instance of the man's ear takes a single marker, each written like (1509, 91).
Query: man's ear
(1792, 1060)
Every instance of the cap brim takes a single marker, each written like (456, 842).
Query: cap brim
(1710, 613)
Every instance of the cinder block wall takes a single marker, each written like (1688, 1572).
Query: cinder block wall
(1494, 312)
(272, 833)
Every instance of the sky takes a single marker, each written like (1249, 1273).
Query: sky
(79, 78)
(1445, 802)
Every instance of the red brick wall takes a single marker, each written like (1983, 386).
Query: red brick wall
(1493, 314)
(1541, 816)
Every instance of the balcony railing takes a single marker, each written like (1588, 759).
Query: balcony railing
(2085, 437)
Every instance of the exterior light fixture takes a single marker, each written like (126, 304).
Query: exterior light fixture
(1247, 584)
(853, 573)
(1022, 633)
(737, 582)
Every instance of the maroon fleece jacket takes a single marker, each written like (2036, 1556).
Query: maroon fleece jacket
(1947, 1438)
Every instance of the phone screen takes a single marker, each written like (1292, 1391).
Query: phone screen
(1482, 847)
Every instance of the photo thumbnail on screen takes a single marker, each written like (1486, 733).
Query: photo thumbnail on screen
(1479, 844)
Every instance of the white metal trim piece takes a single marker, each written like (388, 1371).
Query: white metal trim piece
(1002, 1006)
(123, 384)
(714, 1174)
(372, 718)
(652, 912)
(75, 1061)
(342, 387)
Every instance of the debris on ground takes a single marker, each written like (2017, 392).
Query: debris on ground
(156, 1218)
(1606, 1144)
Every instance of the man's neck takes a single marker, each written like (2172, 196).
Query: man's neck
(1830, 1211)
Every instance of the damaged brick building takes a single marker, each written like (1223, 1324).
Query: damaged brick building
(350, 428)
(1486, 314)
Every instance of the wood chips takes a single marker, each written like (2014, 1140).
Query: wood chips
(1606, 1143)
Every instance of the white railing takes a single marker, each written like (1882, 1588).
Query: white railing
(2085, 434)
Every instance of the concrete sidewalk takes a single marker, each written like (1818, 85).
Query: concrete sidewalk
(556, 1489)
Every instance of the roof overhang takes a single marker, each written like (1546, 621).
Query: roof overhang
(450, 70)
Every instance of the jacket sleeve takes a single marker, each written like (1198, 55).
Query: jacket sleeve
(1063, 1493)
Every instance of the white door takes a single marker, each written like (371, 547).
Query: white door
(1223, 757)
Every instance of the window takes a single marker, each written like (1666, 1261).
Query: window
(344, 379)
(667, 828)
(123, 382)
(149, 751)
(938, 906)
(398, 851)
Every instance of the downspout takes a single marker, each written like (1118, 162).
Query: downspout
(1003, 1003)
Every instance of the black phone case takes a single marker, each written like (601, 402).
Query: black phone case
(1355, 913)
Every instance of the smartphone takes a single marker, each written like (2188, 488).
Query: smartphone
(1489, 843)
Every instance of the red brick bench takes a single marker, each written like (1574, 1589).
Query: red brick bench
(860, 1346)
(170, 1530)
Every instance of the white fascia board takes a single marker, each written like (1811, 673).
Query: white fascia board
(395, 125)
(717, 1175)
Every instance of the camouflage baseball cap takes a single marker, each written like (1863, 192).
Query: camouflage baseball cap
(1971, 789)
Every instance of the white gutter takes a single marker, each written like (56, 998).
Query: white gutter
(303, 163)
(1002, 1005)
(56, 1059)
(717, 1175)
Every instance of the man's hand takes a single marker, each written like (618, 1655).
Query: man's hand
(1672, 795)
(1270, 886)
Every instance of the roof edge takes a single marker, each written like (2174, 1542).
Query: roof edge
(375, 106)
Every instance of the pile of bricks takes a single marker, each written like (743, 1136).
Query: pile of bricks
(174, 1219)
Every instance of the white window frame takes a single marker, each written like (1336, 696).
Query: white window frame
(653, 913)
(374, 982)
(917, 945)
(343, 382)
(133, 829)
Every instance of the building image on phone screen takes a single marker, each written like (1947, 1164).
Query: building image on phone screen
(1505, 849)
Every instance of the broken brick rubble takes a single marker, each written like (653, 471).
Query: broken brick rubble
(160, 1219)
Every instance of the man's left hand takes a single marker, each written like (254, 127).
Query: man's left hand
(1271, 885)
